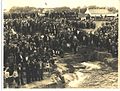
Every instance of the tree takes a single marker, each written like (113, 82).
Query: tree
(22, 9)
(112, 9)
(76, 9)
(92, 7)
(60, 9)
(83, 10)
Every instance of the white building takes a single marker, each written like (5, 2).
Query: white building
(98, 12)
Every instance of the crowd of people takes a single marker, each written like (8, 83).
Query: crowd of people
(32, 42)
(28, 23)
(107, 36)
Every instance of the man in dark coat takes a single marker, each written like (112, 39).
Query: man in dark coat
(28, 71)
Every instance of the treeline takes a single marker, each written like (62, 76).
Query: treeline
(58, 9)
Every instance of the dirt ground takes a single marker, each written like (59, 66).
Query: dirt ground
(95, 74)
(88, 74)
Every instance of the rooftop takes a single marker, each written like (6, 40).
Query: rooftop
(98, 11)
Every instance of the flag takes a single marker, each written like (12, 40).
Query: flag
(45, 3)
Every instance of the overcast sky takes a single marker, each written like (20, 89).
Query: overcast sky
(7, 4)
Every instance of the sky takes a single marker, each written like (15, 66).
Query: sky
(7, 4)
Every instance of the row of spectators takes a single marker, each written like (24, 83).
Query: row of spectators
(26, 50)
(52, 14)
(46, 25)
(108, 36)
(19, 15)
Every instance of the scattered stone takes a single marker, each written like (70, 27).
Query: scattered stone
(112, 62)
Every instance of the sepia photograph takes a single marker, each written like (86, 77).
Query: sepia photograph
(60, 44)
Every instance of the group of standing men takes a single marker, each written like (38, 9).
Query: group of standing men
(31, 42)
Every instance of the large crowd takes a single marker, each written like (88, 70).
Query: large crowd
(31, 42)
